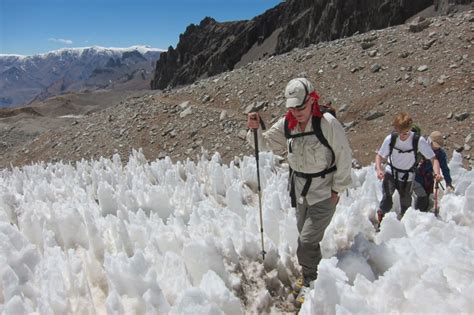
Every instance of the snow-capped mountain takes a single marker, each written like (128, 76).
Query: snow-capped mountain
(24, 79)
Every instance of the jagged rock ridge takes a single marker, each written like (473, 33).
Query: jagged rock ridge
(211, 47)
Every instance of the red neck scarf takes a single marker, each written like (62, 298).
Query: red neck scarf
(316, 112)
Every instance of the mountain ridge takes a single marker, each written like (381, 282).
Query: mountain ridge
(25, 79)
(212, 47)
(424, 67)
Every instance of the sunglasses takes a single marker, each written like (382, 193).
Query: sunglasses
(301, 107)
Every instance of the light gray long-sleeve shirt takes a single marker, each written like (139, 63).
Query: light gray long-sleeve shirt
(310, 156)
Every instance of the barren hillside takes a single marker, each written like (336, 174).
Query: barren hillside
(425, 68)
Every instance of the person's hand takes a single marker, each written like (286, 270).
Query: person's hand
(450, 188)
(253, 120)
(438, 177)
(380, 174)
(334, 197)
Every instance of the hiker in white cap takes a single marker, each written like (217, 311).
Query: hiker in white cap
(320, 161)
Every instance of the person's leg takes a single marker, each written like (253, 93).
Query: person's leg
(388, 188)
(301, 210)
(318, 217)
(405, 191)
(421, 198)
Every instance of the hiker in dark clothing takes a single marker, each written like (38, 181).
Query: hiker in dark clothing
(424, 179)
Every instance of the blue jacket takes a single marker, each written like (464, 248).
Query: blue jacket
(424, 173)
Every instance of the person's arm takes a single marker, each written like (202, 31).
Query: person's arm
(381, 156)
(378, 166)
(272, 139)
(436, 170)
(443, 164)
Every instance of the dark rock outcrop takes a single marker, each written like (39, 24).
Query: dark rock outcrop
(447, 6)
(212, 47)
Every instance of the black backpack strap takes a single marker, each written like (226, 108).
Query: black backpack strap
(291, 187)
(287, 130)
(309, 177)
(316, 122)
(319, 134)
(416, 140)
(395, 171)
(393, 139)
(291, 179)
(289, 136)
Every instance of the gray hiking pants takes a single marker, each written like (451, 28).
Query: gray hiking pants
(404, 190)
(312, 221)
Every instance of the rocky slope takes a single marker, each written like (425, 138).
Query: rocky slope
(211, 47)
(425, 68)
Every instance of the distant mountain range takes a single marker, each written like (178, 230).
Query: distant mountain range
(24, 79)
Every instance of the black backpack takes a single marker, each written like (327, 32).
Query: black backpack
(417, 133)
(414, 149)
(316, 122)
(328, 109)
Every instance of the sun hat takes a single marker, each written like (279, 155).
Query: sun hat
(297, 92)
(436, 138)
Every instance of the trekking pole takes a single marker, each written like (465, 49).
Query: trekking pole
(436, 190)
(442, 187)
(255, 137)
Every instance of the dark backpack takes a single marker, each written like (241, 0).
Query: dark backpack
(414, 149)
(416, 138)
(316, 123)
(328, 109)
(425, 175)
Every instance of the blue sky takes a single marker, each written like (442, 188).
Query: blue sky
(30, 27)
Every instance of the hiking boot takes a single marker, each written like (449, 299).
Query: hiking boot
(301, 282)
(298, 285)
(380, 216)
(301, 296)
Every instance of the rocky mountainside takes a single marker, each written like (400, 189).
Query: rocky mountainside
(211, 47)
(24, 79)
(425, 68)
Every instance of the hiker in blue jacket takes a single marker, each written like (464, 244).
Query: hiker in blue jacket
(424, 179)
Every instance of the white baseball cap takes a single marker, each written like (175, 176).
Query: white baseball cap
(297, 91)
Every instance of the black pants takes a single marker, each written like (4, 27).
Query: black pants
(404, 190)
(422, 200)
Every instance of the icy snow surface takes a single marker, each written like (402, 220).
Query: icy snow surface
(184, 238)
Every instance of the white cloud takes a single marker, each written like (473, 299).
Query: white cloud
(61, 40)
